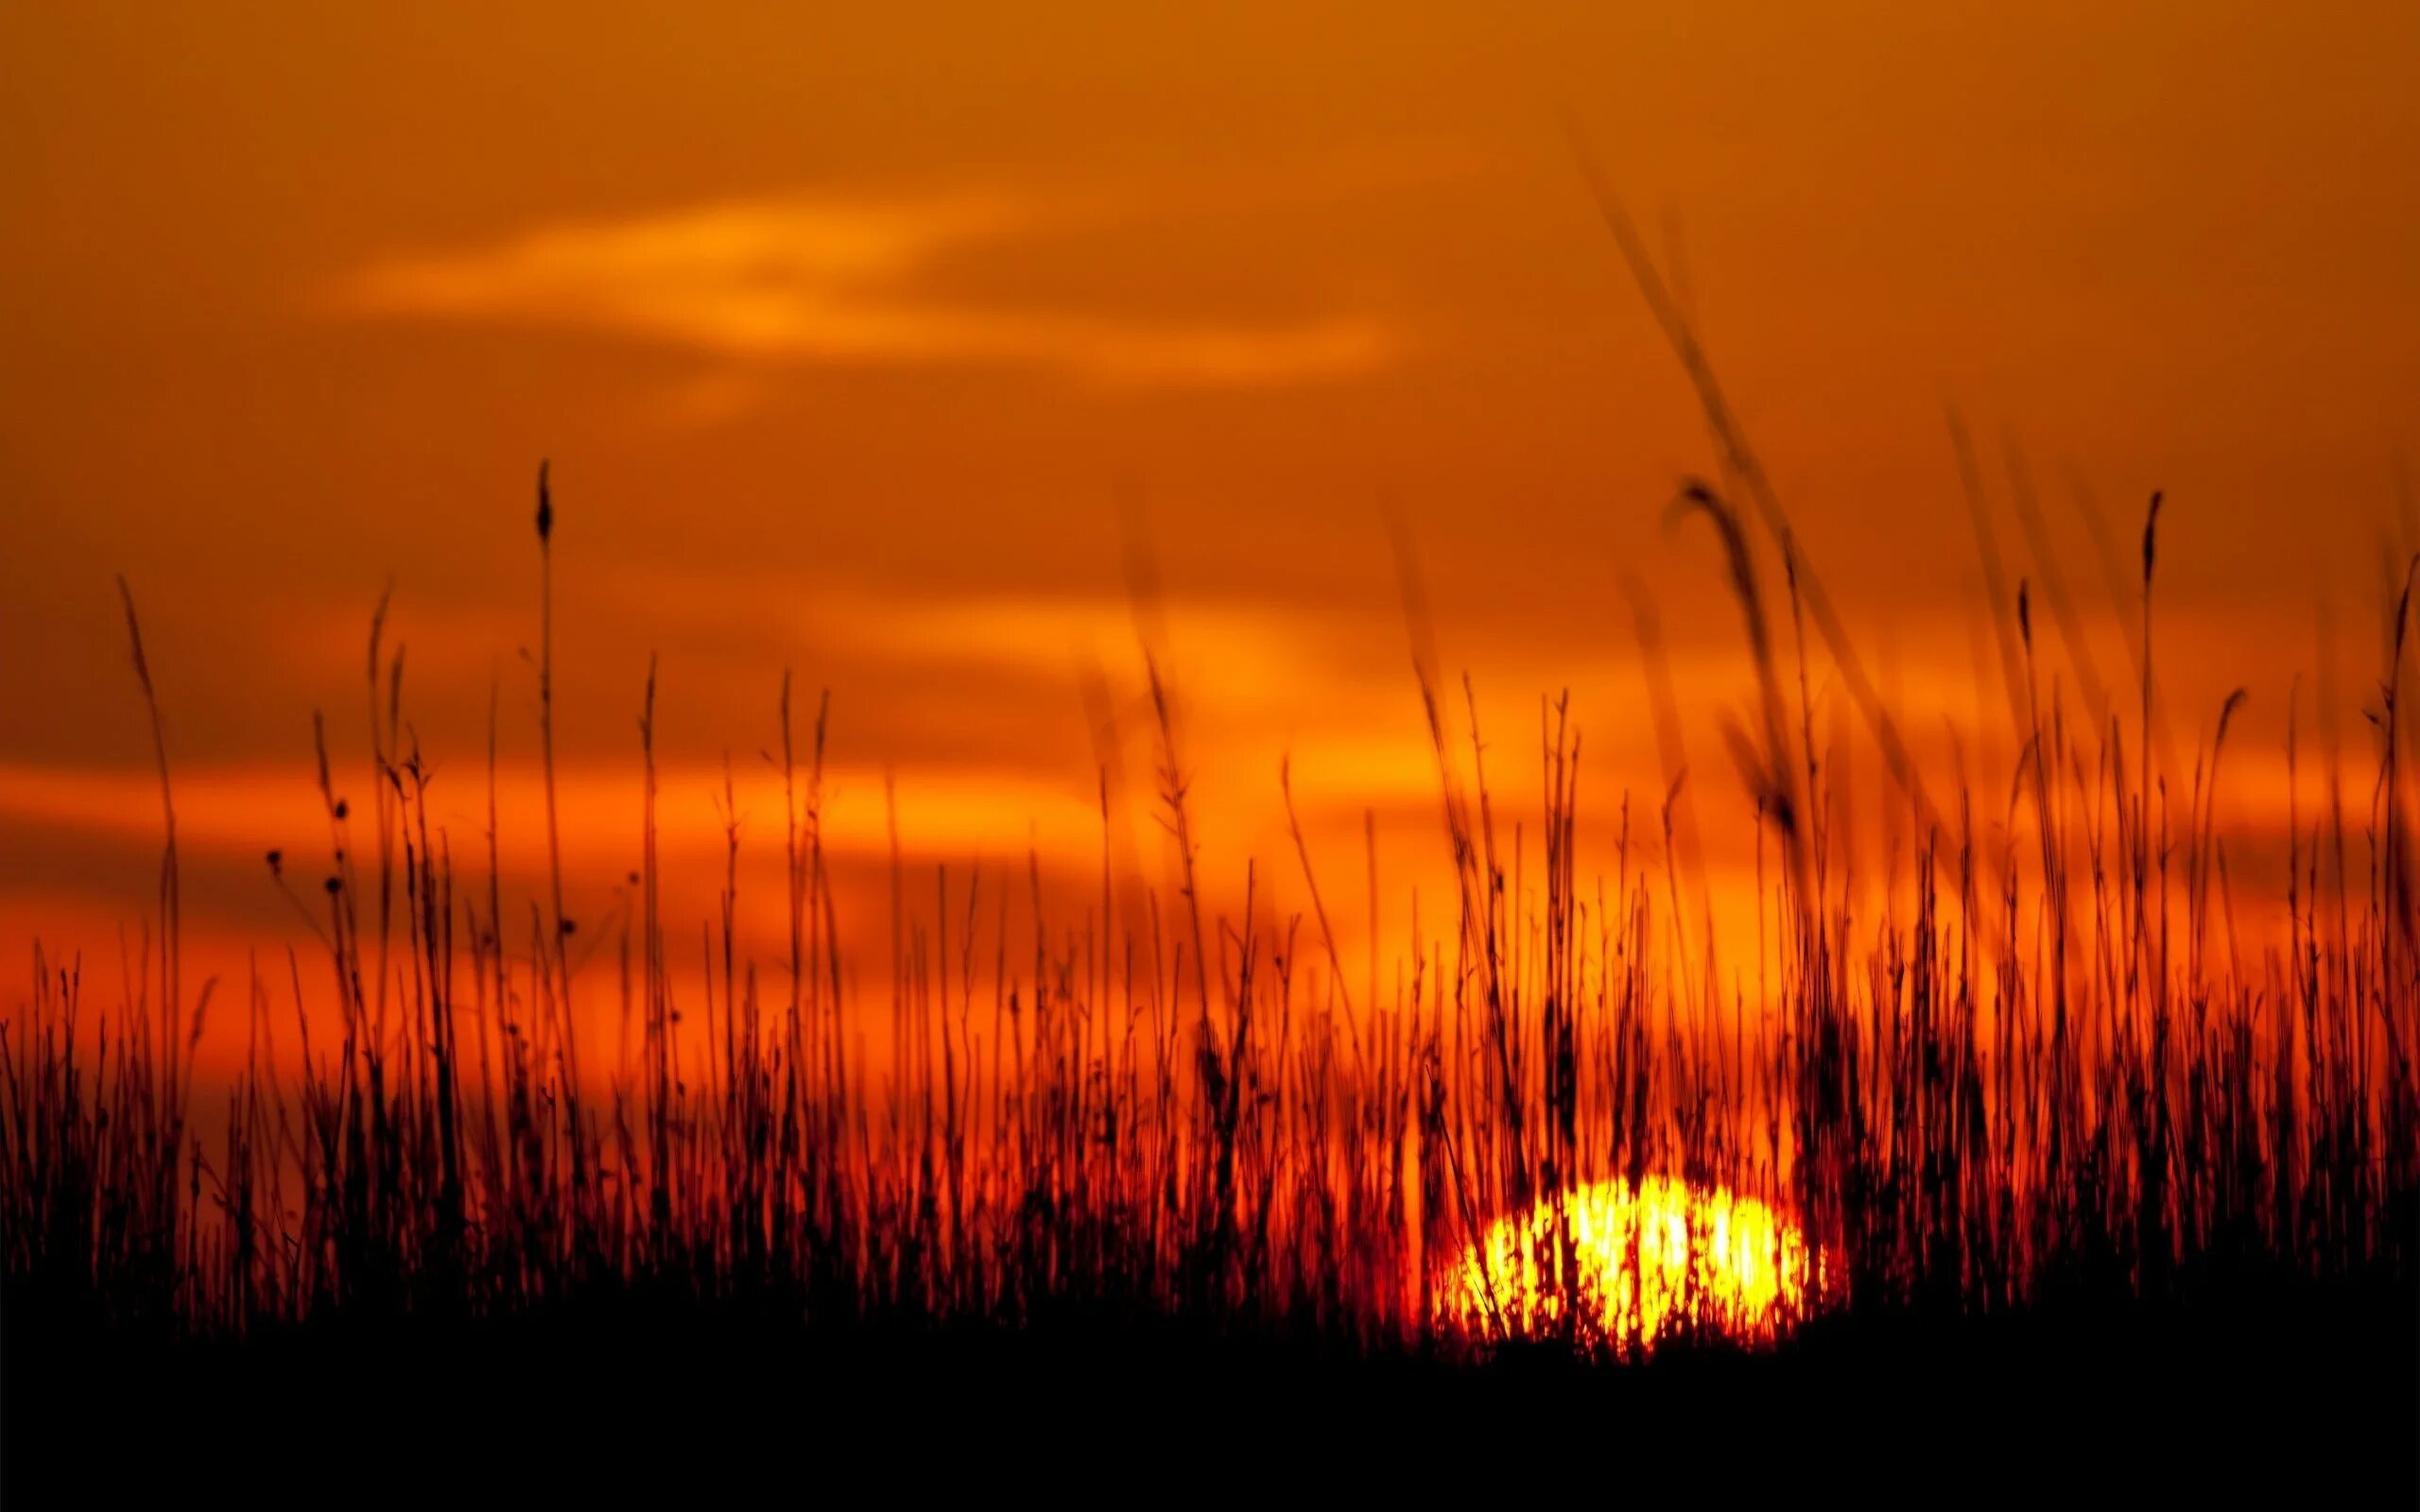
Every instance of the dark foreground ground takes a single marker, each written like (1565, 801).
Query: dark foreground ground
(2316, 1396)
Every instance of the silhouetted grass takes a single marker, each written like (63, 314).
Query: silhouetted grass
(2007, 1081)
(2033, 1076)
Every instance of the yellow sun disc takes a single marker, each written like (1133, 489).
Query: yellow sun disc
(1631, 1265)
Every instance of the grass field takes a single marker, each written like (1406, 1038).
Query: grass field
(2032, 1139)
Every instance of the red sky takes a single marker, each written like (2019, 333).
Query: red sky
(853, 338)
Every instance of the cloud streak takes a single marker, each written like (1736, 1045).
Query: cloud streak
(832, 282)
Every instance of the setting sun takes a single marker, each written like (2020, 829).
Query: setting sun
(1639, 1263)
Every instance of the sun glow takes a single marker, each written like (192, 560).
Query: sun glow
(1639, 1263)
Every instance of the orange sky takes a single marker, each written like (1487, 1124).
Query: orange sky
(851, 337)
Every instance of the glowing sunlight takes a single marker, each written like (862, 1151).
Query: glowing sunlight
(1642, 1262)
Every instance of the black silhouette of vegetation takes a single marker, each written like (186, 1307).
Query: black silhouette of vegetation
(2035, 1089)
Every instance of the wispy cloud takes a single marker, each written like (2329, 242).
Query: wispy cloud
(806, 280)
